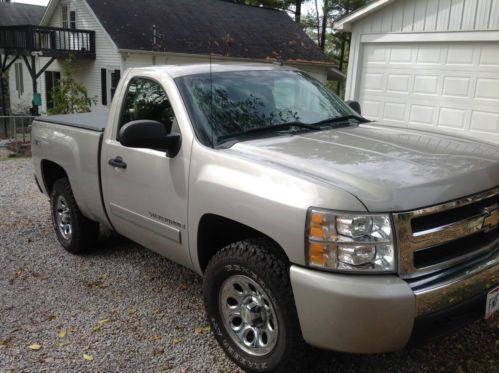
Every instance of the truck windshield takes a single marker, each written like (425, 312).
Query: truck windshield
(234, 106)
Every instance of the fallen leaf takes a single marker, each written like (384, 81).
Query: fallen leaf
(176, 341)
(202, 330)
(10, 371)
(132, 312)
(157, 290)
(96, 329)
(34, 347)
(62, 333)
(103, 321)
(88, 357)
(156, 338)
(104, 277)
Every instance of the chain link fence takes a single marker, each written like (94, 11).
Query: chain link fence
(15, 135)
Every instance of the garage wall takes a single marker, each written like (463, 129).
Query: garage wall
(430, 64)
(433, 15)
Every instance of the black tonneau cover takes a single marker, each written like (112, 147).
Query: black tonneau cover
(95, 121)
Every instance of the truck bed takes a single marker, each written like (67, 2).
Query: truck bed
(95, 121)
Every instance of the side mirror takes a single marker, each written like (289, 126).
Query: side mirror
(355, 106)
(150, 134)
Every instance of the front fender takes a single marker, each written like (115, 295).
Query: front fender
(269, 199)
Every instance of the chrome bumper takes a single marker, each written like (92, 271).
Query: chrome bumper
(459, 287)
(371, 314)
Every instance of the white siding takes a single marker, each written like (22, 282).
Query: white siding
(20, 103)
(88, 72)
(433, 15)
(420, 16)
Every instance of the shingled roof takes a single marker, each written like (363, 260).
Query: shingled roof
(20, 14)
(204, 27)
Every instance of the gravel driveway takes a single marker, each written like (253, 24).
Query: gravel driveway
(124, 308)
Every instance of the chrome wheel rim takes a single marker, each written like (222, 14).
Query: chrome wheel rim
(248, 315)
(63, 218)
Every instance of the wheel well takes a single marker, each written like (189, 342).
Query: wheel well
(215, 232)
(51, 172)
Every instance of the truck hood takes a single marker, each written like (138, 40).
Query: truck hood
(387, 168)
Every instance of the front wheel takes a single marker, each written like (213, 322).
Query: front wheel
(249, 302)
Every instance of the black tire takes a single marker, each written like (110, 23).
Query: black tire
(254, 259)
(84, 232)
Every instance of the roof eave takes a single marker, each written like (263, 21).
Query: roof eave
(218, 56)
(345, 23)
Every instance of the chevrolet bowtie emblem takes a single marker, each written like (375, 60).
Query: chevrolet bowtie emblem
(491, 221)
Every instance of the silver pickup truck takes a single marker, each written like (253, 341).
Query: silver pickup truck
(310, 224)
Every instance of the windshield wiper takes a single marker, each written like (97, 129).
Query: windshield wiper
(271, 129)
(341, 119)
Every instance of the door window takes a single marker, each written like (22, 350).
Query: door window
(146, 99)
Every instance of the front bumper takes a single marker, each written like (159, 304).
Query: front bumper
(372, 314)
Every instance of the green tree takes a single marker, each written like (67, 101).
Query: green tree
(293, 6)
(70, 96)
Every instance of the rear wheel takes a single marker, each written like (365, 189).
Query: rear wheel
(76, 233)
(249, 302)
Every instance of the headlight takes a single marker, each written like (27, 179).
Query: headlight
(350, 242)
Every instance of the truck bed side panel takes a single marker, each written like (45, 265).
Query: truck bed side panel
(76, 150)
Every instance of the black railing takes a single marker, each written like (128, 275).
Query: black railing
(52, 41)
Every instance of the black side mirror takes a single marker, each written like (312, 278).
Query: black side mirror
(150, 134)
(355, 106)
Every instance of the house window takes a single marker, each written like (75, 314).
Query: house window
(19, 78)
(52, 80)
(72, 19)
(64, 15)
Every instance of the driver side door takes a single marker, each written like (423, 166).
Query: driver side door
(145, 192)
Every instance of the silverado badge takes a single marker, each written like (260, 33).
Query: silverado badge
(491, 221)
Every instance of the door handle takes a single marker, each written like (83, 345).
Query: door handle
(117, 162)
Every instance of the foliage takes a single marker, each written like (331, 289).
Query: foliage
(293, 6)
(70, 96)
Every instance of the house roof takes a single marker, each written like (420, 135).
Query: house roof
(345, 23)
(205, 27)
(20, 14)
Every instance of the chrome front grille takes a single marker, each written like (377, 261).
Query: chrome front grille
(439, 237)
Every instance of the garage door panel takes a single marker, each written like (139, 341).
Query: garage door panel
(426, 84)
(429, 55)
(451, 118)
(460, 55)
(395, 111)
(485, 122)
(487, 89)
(489, 56)
(422, 114)
(450, 87)
(398, 83)
(457, 86)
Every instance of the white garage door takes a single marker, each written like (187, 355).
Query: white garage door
(448, 87)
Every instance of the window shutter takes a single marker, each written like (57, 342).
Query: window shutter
(72, 19)
(16, 68)
(103, 83)
(21, 78)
